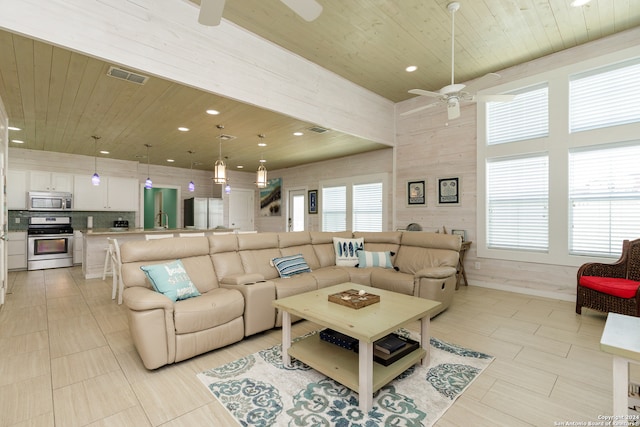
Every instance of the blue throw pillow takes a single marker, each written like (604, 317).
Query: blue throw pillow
(374, 259)
(288, 266)
(171, 280)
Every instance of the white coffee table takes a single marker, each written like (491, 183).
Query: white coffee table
(368, 324)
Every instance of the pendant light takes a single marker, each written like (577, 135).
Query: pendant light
(219, 168)
(227, 188)
(191, 185)
(261, 175)
(148, 184)
(95, 179)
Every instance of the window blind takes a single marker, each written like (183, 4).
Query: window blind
(334, 208)
(367, 207)
(608, 96)
(604, 195)
(526, 117)
(517, 203)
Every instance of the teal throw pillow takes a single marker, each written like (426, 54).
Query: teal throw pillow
(171, 279)
(288, 266)
(374, 259)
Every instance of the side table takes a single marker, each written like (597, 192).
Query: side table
(621, 337)
(461, 274)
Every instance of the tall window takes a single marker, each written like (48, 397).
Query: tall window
(518, 203)
(558, 168)
(334, 208)
(356, 204)
(604, 191)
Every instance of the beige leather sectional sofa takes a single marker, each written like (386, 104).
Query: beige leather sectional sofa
(237, 282)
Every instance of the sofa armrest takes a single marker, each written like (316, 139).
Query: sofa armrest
(259, 312)
(140, 299)
(435, 273)
(242, 279)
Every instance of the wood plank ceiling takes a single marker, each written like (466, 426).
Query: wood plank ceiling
(60, 98)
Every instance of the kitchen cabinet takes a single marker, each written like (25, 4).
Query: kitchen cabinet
(113, 194)
(17, 250)
(50, 181)
(16, 189)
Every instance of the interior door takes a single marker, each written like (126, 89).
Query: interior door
(4, 144)
(242, 209)
(296, 210)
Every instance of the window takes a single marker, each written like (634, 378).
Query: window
(367, 207)
(357, 204)
(526, 117)
(558, 176)
(517, 203)
(334, 208)
(605, 97)
(604, 192)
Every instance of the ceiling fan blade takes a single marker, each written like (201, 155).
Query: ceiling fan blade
(424, 107)
(496, 98)
(480, 82)
(211, 12)
(308, 10)
(425, 93)
(453, 109)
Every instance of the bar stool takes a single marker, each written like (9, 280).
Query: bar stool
(157, 236)
(192, 234)
(112, 262)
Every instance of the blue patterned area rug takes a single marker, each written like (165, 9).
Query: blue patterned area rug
(259, 391)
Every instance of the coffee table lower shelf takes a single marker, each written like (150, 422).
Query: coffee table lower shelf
(342, 364)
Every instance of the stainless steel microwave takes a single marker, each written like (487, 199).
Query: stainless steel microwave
(49, 201)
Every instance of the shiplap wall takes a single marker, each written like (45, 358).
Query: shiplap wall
(428, 148)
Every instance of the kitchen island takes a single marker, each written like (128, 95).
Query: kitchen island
(94, 244)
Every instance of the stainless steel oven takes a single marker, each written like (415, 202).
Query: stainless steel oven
(49, 242)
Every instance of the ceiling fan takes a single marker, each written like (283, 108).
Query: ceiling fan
(451, 95)
(211, 10)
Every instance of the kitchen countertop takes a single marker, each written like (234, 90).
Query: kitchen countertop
(132, 231)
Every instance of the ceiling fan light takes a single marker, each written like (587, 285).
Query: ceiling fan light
(261, 176)
(95, 179)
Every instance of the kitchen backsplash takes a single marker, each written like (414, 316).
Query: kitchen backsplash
(101, 220)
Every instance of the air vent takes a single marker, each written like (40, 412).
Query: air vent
(129, 76)
(224, 137)
(318, 129)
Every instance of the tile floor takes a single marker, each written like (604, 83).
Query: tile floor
(66, 359)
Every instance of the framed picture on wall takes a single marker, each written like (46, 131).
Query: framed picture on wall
(416, 195)
(313, 201)
(448, 191)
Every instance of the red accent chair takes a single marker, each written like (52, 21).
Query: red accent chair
(612, 287)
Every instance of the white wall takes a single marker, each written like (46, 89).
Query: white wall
(428, 148)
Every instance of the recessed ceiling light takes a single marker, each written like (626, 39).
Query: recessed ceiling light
(239, 167)
(298, 133)
(213, 112)
(579, 3)
(262, 144)
(104, 152)
(17, 141)
(183, 129)
(13, 128)
(170, 160)
(411, 68)
(263, 161)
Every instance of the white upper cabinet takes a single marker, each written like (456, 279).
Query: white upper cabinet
(16, 189)
(113, 194)
(50, 181)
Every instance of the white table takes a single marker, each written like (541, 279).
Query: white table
(368, 324)
(621, 337)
